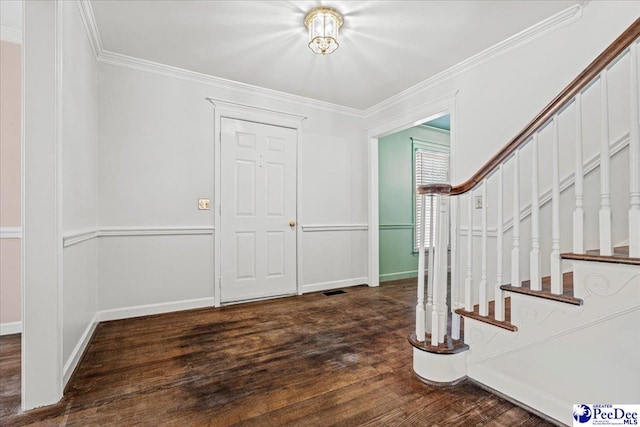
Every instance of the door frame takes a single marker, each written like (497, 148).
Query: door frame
(230, 110)
(423, 113)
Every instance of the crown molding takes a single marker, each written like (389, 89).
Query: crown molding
(117, 59)
(13, 35)
(568, 15)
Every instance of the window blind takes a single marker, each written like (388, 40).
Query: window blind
(431, 167)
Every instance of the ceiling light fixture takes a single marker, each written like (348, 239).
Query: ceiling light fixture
(323, 24)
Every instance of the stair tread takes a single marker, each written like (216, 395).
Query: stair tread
(567, 289)
(450, 346)
(620, 256)
(490, 318)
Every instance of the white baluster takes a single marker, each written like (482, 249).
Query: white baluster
(484, 304)
(468, 302)
(435, 288)
(515, 252)
(556, 264)
(534, 256)
(578, 213)
(455, 285)
(442, 276)
(420, 313)
(430, 276)
(605, 191)
(499, 294)
(634, 158)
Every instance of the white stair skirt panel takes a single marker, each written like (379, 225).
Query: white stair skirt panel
(440, 369)
(557, 343)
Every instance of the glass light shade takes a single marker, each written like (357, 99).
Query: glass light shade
(323, 24)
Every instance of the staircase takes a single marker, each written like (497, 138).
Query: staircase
(529, 312)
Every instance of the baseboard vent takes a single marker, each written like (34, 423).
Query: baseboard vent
(336, 292)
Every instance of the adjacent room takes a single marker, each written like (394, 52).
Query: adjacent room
(319, 212)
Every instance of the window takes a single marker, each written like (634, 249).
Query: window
(431, 165)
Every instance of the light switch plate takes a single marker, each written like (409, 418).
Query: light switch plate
(478, 202)
(204, 204)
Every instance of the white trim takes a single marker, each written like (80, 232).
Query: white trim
(12, 35)
(90, 26)
(155, 231)
(324, 286)
(477, 231)
(10, 232)
(10, 328)
(79, 236)
(566, 16)
(59, 168)
(334, 227)
(78, 350)
(76, 237)
(239, 105)
(224, 109)
(217, 189)
(149, 309)
(398, 276)
(414, 117)
(23, 285)
(117, 59)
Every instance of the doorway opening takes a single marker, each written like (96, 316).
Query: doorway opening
(408, 158)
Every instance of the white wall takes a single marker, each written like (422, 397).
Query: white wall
(157, 158)
(79, 180)
(41, 332)
(497, 97)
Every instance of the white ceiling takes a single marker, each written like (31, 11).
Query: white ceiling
(385, 46)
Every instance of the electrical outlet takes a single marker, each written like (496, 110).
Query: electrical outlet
(478, 202)
(204, 204)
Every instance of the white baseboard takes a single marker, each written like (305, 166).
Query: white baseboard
(324, 286)
(149, 309)
(399, 275)
(10, 328)
(78, 350)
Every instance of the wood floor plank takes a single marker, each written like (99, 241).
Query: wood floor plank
(310, 360)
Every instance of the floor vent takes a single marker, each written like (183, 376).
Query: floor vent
(331, 293)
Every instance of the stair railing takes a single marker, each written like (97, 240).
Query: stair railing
(448, 202)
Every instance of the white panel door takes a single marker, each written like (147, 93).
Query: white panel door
(258, 210)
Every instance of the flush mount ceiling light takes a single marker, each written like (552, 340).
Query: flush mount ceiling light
(323, 24)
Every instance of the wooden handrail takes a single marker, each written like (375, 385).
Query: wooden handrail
(577, 85)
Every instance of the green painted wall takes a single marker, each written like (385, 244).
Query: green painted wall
(395, 178)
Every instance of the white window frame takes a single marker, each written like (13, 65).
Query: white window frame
(426, 147)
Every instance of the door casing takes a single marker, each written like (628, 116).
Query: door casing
(225, 109)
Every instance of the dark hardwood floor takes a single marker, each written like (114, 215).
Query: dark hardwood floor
(309, 360)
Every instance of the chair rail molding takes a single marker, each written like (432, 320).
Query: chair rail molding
(76, 237)
(12, 35)
(10, 232)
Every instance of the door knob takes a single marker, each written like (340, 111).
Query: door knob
(292, 223)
